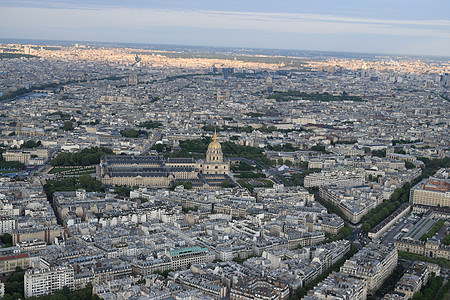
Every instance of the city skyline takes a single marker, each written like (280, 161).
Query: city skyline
(224, 150)
(349, 27)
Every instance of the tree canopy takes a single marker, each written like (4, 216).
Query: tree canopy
(86, 157)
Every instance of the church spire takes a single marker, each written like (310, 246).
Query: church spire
(215, 136)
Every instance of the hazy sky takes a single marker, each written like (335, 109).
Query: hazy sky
(371, 26)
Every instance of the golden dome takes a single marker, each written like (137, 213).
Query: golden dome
(214, 145)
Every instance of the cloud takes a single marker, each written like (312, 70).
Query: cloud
(274, 22)
(205, 27)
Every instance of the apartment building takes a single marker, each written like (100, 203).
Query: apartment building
(374, 264)
(434, 191)
(39, 282)
(181, 258)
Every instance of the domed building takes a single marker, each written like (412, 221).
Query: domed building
(156, 171)
(214, 163)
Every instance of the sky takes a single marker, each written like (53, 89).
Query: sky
(414, 27)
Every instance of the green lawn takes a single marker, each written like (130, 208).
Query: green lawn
(73, 171)
(9, 171)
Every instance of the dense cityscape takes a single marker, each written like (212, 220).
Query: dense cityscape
(152, 172)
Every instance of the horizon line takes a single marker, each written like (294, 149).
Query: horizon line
(242, 47)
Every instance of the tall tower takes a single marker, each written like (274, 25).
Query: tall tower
(19, 126)
(133, 80)
(214, 153)
(219, 95)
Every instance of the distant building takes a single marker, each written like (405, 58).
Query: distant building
(336, 178)
(37, 156)
(133, 79)
(9, 263)
(434, 191)
(352, 202)
(116, 99)
(404, 157)
(47, 234)
(161, 172)
(387, 223)
(28, 130)
(222, 97)
(184, 257)
(431, 248)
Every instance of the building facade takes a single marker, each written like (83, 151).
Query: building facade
(184, 257)
(431, 248)
(374, 264)
(434, 191)
(39, 282)
(161, 172)
(9, 263)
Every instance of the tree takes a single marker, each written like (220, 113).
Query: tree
(366, 227)
(85, 180)
(131, 133)
(446, 240)
(243, 166)
(68, 126)
(31, 144)
(225, 184)
(122, 190)
(150, 124)
(89, 183)
(379, 153)
(345, 231)
(7, 239)
(187, 185)
(88, 156)
(238, 260)
(159, 147)
(409, 165)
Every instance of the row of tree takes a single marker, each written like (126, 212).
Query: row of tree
(300, 292)
(436, 227)
(30, 144)
(446, 240)
(442, 262)
(401, 195)
(331, 208)
(133, 133)
(150, 124)
(431, 289)
(326, 97)
(288, 147)
(86, 157)
(11, 165)
(86, 182)
(382, 211)
(243, 166)
(250, 175)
